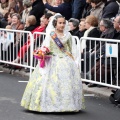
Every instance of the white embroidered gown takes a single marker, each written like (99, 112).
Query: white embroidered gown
(57, 87)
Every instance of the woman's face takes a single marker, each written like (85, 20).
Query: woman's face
(87, 25)
(82, 26)
(70, 24)
(60, 24)
(3, 1)
(15, 20)
(58, 2)
(93, 5)
(101, 26)
(9, 19)
(27, 24)
(43, 22)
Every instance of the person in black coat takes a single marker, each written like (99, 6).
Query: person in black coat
(82, 28)
(91, 23)
(3, 24)
(65, 9)
(87, 9)
(77, 8)
(110, 9)
(37, 10)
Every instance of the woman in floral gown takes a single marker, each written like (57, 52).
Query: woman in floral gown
(57, 87)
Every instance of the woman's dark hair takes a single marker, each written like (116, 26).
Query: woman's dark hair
(96, 1)
(21, 8)
(13, 9)
(55, 20)
(48, 15)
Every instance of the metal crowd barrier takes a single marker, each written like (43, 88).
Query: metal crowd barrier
(11, 41)
(100, 61)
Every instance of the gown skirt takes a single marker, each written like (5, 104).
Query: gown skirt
(55, 88)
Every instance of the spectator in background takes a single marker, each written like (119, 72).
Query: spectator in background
(91, 24)
(6, 22)
(39, 40)
(16, 22)
(73, 26)
(82, 28)
(16, 25)
(19, 7)
(37, 10)
(55, 3)
(110, 9)
(25, 47)
(77, 8)
(87, 9)
(12, 10)
(62, 9)
(115, 34)
(3, 24)
(12, 3)
(4, 7)
(30, 25)
(27, 8)
(9, 18)
(97, 7)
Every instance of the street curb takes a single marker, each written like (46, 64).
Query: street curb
(98, 91)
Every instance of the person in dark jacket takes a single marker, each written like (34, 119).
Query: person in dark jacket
(91, 24)
(77, 8)
(82, 28)
(3, 24)
(65, 9)
(37, 10)
(87, 9)
(110, 9)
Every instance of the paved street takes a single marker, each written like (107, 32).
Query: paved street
(12, 88)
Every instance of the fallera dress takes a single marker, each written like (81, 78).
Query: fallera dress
(58, 86)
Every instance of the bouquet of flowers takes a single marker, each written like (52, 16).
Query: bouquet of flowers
(42, 54)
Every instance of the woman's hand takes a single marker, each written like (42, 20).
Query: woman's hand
(44, 1)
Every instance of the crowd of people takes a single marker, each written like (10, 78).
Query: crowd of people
(82, 18)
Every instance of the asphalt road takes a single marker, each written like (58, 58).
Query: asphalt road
(11, 91)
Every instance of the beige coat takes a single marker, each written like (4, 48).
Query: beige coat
(97, 11)
(4, 11)
(25, 14)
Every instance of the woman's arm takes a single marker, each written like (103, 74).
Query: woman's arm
(58, 9)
